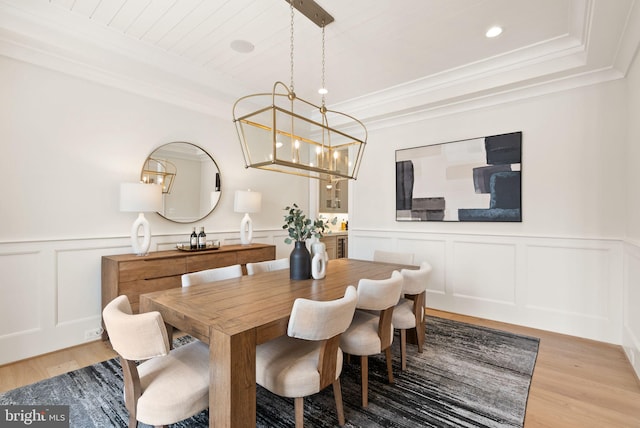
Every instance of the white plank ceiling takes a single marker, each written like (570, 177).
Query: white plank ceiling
(395, 48)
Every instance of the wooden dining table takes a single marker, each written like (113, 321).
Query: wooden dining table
(235, 315)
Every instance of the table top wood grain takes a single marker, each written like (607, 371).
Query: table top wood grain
(235, 315)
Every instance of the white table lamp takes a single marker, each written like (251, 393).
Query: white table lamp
(246, 202)
(140, 198)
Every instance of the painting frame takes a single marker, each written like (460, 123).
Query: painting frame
(472, 180)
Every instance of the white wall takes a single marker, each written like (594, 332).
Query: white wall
(65, 146)
(631, 320)
(561, 268)
(573, 163)
(571, 266)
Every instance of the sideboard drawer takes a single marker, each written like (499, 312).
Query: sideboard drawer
(133, 289)
(210, 260)
(148, 269)
(256, 255)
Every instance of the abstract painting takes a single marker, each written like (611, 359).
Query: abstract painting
(469, 180)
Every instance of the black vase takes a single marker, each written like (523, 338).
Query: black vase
(300, 262)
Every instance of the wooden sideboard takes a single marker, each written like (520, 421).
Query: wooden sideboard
(135, 275)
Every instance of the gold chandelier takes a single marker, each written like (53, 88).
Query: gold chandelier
(291, 135)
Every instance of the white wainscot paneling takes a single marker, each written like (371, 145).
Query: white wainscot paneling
(53, 296)
(20, 291)
(570, 286)
(50, 292)
(568, 280)
(79, 280)
(362, 247)
(484, 271)
(575, 289)
(432, 250)
(631, 318)
(427, 250)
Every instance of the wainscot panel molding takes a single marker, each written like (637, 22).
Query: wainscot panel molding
(51, 290)
(565, 285)
(631, 314)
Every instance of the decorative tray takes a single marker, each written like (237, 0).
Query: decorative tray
(186, 246)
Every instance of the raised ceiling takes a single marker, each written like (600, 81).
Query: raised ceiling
(382, 56)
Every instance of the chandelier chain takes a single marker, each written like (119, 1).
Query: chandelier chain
(291, 46)
(323, 67)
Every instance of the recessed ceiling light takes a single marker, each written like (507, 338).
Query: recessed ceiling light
(323, 91)
(494, 31)
(242, 46)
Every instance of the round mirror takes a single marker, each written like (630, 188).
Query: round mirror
(190, 180)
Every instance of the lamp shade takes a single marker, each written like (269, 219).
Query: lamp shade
(247, 201)
(140, 197)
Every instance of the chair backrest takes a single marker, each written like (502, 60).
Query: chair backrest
(267, 266)
(324, 322)
(210, 275)
(416, 280)
(393, 257)
(318, 320)
(379, 294)
(135, 337)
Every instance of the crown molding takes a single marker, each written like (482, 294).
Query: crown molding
(489, 99)
(591, 53)
(596, 49)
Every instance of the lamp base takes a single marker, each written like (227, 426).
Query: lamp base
(246, 230)
(141, 248)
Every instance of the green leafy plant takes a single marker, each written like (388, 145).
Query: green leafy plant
(301, 228)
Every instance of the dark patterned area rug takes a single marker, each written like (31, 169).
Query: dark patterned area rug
(467, 376)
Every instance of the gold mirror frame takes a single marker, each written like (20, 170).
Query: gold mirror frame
(190, 178)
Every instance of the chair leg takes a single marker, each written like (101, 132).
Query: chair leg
(389, 364)
(299, 409)
(421, 318)
(337, 393)
(364, 374)
(403, 349)
(420, 332)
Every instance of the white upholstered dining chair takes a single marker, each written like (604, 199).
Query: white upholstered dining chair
(309, 358)
(267, 266)
(393, 257)
(169, 385)
(210, 275)
(409, 312)
(371, 331)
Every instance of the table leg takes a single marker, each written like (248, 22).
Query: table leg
(169, 328)
(232, 390)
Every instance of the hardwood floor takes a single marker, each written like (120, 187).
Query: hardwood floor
(45, 366)
(576, 382)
